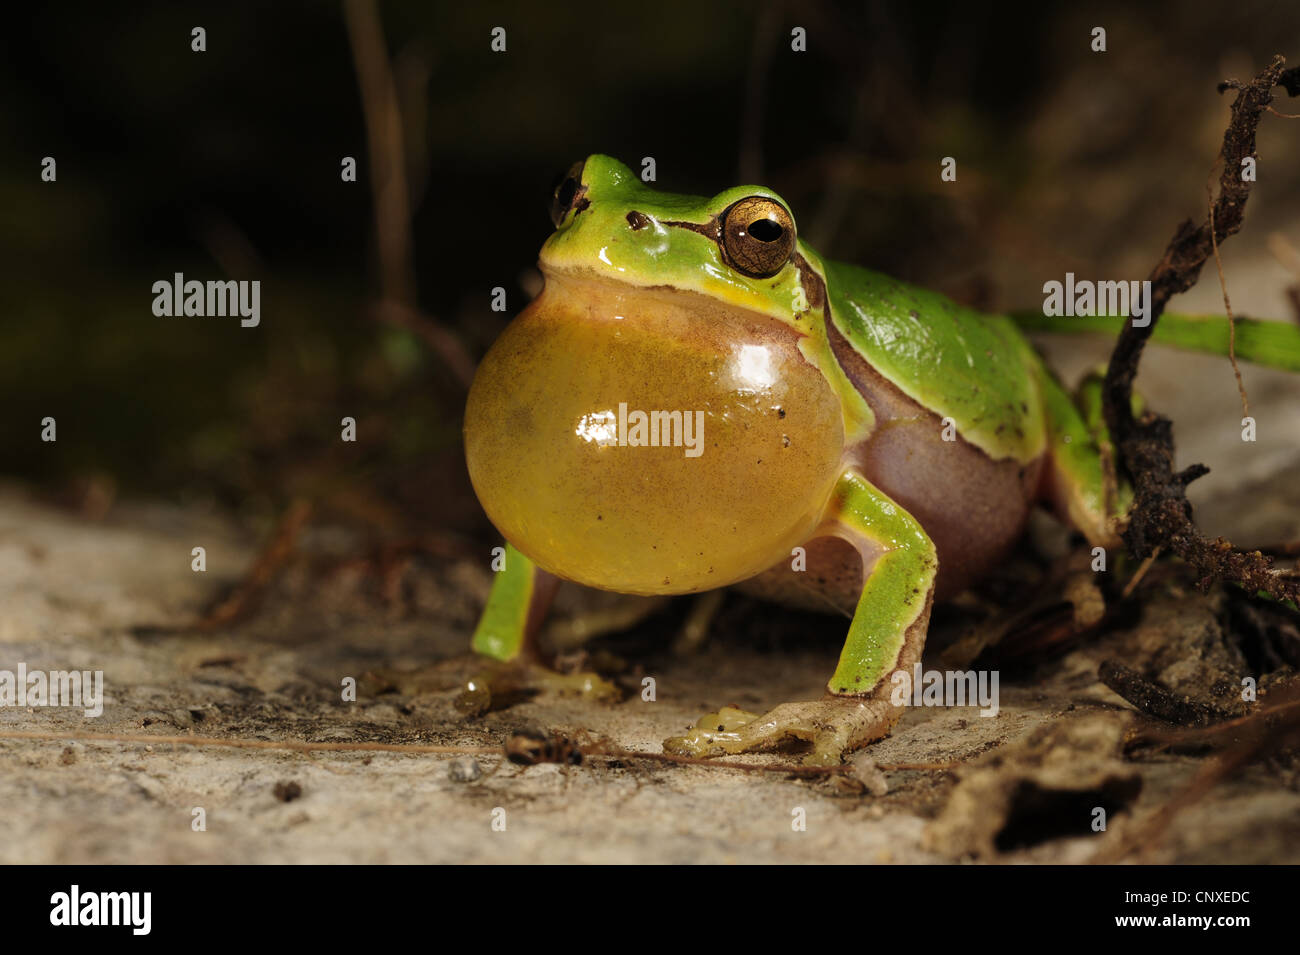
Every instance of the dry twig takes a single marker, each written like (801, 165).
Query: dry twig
(1161, 516)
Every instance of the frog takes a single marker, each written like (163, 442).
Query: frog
(697, 399)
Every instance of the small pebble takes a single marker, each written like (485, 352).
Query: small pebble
(287, 791)
(474, 699)
(464, 769)
(868, 773)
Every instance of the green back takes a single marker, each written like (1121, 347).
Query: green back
(976, 369)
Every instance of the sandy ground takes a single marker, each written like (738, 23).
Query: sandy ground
(103, 597)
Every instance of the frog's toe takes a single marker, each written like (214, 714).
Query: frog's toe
(496, 686)
(714, 734)
(833, 726)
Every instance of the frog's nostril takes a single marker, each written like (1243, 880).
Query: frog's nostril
(637, 220)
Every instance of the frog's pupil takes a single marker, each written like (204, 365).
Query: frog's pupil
(765, 230)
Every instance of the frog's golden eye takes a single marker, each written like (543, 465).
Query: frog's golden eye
(757, 236)
(568, 191)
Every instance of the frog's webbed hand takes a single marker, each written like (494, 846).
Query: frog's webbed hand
(1079, 487)
(887, 634)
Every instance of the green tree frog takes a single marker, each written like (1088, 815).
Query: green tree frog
(698, 399)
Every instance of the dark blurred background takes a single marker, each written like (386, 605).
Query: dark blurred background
(226, 164)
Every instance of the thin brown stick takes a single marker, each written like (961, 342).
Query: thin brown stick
(303, 746)
(1139, 574)
(1155, 700)
(1225, 730)
(391, 191)
(384, 141)
(268, 563)
(1227, 307)
(617, 753)
(298, 746)
(796, 770)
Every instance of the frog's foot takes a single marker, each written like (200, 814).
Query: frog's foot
(585, 684)
(496, 685)
(835, 726)
(623, 613)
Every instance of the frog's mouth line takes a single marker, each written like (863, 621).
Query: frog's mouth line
(813, 282)
(585, 284)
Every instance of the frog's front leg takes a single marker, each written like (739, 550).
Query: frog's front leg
(521, 595)
(507, 634)
(887, 634)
